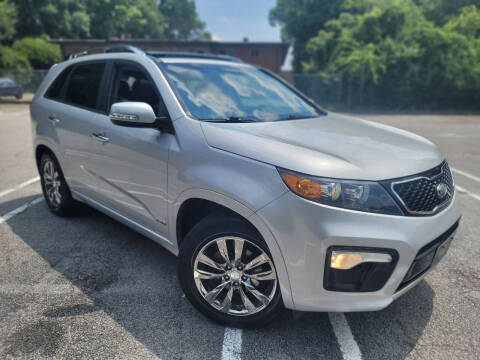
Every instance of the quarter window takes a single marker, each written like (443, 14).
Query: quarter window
(55, 90)
(84, 85)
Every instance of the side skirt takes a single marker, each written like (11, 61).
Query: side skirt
(163, 241)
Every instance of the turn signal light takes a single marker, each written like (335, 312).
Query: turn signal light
(303, 186)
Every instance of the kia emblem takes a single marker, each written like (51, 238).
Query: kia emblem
(442, 190)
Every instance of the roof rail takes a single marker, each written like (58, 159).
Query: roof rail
(108, 49)
(124, 48)
(183, 54)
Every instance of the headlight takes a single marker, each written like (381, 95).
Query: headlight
(366, 196)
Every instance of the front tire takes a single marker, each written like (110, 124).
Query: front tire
(55, 189)
(227, 273)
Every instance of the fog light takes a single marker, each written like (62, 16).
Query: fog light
(347, 260)
(358, 269)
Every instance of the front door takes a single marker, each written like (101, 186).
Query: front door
(131, 163)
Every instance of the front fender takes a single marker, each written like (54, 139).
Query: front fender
(250, 216)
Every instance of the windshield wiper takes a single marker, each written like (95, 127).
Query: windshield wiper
(297, 116)
(233, 119)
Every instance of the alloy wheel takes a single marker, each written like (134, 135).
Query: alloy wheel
(235, 276)
(53, 183)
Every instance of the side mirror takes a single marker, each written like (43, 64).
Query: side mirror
(134, 114)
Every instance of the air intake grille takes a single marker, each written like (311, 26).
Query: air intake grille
(426, 193)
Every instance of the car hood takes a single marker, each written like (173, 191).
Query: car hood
(334, 146)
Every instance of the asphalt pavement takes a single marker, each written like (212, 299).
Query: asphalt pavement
(88, 287)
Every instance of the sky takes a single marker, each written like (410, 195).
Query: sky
(232, 20)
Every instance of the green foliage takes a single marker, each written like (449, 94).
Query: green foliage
(301, 20)
(29, 52)
(125, 18)
(38, 51)
(167, 19)
(467, 23)
(8, 20)
(391, 47)
(10, 59)
(65, 18)
(440, 11)
(136, 19)
(190, 26)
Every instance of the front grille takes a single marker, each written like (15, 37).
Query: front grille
(426, 256)
(420, 194)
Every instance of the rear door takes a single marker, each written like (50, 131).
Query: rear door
(131, 163)
(74, 106)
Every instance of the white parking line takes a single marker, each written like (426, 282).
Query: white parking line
(14, 113)
(348, 345)
(470, 176)
(466, 192)
(232, 344)
(22, 185)
(19, 210)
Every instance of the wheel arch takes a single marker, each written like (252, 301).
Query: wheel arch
(40, 150)
(218, 202)
(193, 210)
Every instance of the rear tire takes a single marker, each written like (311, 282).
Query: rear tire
(250, 295)
(55, 189)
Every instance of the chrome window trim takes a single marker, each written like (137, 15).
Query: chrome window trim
(437, 208)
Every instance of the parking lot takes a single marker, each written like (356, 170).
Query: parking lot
(89, 287)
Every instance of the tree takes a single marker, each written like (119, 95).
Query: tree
(136, 19)
(65, 18)
(301, 20)
(8, 20)
(89, 18)
(389, 47)
(467, 22)
(40, 53)
(181, 20)
(440, 11)
(11, 60)
(103, 19)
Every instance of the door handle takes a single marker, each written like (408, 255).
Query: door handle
(53, 120)
(100, 137)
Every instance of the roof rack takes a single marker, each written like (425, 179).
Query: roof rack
(184, 54)
(108, 49)
(123, 48)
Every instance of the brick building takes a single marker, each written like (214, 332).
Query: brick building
(270, 55)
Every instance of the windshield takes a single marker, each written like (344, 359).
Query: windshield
(232, 92)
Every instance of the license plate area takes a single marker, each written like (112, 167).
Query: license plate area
(429, 256)
(442, 250)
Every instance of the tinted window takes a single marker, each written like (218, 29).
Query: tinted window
(131, 84)
(55, 90)
(84, 85)
(213, 91)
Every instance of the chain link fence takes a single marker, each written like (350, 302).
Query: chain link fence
(340, 93)
(28, 80)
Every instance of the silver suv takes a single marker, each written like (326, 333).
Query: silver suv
(267, 200)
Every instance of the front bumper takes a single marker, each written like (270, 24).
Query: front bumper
(305, 230)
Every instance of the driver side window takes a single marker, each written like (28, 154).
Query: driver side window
(131, 84)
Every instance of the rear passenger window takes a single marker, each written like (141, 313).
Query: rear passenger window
(84, 85)
(55, 90)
